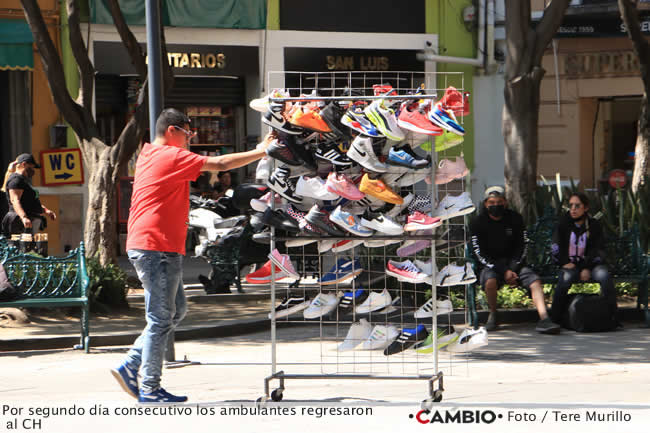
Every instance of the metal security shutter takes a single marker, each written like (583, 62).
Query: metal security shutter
(206, 91)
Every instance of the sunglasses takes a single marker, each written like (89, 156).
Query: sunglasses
(189, 134)
(575, 205)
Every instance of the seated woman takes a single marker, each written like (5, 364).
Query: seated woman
(578, 248)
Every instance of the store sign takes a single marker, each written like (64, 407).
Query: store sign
(330, 59)
(205, 60)
(597, 64)
(61, 167)
(196, 60)
(584, 25)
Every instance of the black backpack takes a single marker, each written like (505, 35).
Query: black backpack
(589, 313)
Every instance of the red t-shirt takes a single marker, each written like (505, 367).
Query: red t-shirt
(161, 198)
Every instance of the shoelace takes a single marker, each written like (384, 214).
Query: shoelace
(410, 267)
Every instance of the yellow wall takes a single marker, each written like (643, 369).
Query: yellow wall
(44, 111)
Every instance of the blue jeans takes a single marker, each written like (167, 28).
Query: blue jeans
(161, 275)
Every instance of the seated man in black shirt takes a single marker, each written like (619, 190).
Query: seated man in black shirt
(499, 244)
(26, 213)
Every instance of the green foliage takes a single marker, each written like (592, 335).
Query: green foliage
(107, 284)
(606, 206)
(513, 297)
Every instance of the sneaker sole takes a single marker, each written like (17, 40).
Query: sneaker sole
(551, 331)
(123, 384)
(370, 309)
(412, 227)
(347, 277)
(412, 249)
(345, 227)
(298, 243)
(439, 121)
(411, 127)
(352, 244)
(429, 349)
(323, 311)
(461, 212)
(429, 314)
(402, 278)
(291, 310)
(407, 165)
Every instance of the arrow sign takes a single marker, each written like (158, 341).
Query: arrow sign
(63, 176)
(62, 167)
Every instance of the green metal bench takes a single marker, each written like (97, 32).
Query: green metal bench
(49, 282)
(626, 261)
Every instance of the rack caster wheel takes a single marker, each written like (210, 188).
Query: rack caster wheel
(276, 395)
(261, 402)
(427, 404)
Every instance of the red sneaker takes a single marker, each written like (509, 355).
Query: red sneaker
(413, 118)
(456, 101)
(263, 274)
(419, 221)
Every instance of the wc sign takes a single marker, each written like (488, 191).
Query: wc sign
(61, 167)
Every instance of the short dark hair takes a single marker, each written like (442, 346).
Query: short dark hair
(582, 197)
(170, 117)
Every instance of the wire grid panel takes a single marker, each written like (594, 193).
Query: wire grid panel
(333, 350)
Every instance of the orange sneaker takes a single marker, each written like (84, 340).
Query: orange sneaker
(377, 188)
(309, 119)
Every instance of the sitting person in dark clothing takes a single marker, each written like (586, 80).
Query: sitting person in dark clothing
(499, 244)
(223, 185)
(578, 249)
(26, 213)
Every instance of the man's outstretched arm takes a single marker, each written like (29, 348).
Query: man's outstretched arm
(236, 160)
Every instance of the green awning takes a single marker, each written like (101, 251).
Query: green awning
(16, 41)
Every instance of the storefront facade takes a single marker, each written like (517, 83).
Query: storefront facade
(591, 95)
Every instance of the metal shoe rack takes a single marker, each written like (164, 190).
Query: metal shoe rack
(332, 329)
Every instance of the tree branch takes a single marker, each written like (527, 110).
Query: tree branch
(80, 52)
(517, 34)
(131, 136)
(548, 26)
(129, 41)
(630, 17)
(72, 112)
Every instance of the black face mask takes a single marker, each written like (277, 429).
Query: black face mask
(30, 172)
(497, 211)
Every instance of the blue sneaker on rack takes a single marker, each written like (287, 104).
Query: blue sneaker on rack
(405, 159)
(345, 269)
(127, 377)
(160, 396)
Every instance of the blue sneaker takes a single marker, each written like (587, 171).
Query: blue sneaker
(353, 298)
(127, 378)
(160, 396)
(349, 222)
(445, 119)
(405, 159)
(345, 269)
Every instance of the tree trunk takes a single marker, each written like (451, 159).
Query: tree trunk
(519, 124)
(641, 148)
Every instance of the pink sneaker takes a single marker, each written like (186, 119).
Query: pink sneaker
(419, 221)
(260, 204)
(340, 184)
(449, 170)
(405, 271)
(283, 262)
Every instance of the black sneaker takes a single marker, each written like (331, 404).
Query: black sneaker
(331, 114)
(547, 326)
(299, 151)
(321, 219)
(331, 153)
(262, 237)
(291, 305)
(274, 118)
(407, 338)
(278, 219)
(353, 298)
(280, 183)
(279, 150)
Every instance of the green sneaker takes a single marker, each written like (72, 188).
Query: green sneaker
(445, 141)
(445, 337)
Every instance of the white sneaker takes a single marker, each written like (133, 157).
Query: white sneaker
(452, 275)
(260, 204)
(381, 223)
(384, 119)
(381, 337)
(428, 267)
(375, 301)
(290, 305)
(362, 152)
(453, 206)
(469, 340)
(264, 167)
(314, 187)
(298, 242)
(323, 304)
(413, 177)
(357, 334)
(325, 245)
(426, 310)
(395, 173)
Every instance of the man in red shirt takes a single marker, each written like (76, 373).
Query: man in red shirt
(155, 244)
